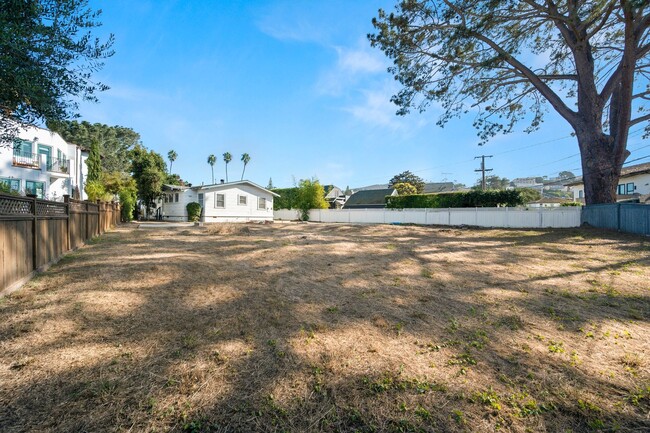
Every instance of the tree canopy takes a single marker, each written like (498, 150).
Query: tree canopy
(493, 182)
(47, 59)
(150, 173)
(407, 177)
(115, 142)
(507, 60)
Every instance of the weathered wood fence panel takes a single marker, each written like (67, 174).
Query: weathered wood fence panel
(34, 233)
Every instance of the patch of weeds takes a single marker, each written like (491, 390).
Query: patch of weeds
(392, 383)
(454, 325)
(426, 273)
(422, 413)
(478, 339)
(556, 347)
(587, 406)
(391, 246)
(525, 405)
(464, 359)
(427, 348)
(332, 310)
(318, 379)
(399, 327)
(632, 362)
(639, 396)
(459, 417)
(190, 342)
(574, 359)
(513, 323)
(488, 398)
(403, 426)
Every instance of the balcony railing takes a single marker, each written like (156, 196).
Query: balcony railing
(26, 159)
(57, 165)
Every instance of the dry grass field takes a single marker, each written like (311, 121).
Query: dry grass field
(317, 327)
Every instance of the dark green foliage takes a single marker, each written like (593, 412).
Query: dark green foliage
(457, 199)
(114, 142)
(571, 203)
(493, 182)
(529, 194)
(47, 58)
(193, 211)
(288, 198)
(149, 172)
(94, 163)
(410, 178)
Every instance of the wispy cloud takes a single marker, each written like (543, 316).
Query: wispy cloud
(290, 22)
(375, 108)
(353, 64)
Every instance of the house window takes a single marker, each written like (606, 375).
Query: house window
(176, 197)
(13, 184)
(581, 194)
(261, 203)
(165, 196)
(22, 148)
(37, 188)
(219, 200)
(242, 200)
(629, 188)
(201, 200)
(621, 189)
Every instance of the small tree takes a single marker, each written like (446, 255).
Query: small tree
(193, 211)
(407, 177)
(270, 185)
(528, 195)
(310, 196)
(404, 188)
(94, 162)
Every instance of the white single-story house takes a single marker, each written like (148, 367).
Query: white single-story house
(239, 201)
(634, 185)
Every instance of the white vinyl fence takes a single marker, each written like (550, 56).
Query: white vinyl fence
(563, 217)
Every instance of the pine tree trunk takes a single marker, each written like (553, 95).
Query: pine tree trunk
(601, 168)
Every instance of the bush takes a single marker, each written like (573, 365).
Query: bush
(96, 191)
(288, 198)
(128, 200)
(311, 195)
(404, 188)
(571, 203)
(193, 211)
(456, 199)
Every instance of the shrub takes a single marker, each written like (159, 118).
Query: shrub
(571, 203)
(457, 199)
(404, 188)
(288, 198)
(96, 191)
(193, 211)
(310, 196)
(128, 200)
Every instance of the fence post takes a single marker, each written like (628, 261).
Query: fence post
(34, 232)
(66, 200)
(87, 222)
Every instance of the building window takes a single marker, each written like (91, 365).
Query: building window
(13, 184)
(165, 196)
(36, 188)
(201, 200)
(629, 188)
(219, 200)
(261, 203)
(242, 200)
(581, 194)
(621, 189)
(22, 148)
(176, 197)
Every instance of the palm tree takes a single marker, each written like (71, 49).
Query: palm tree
(212, 160)
(227, 157)
(245, 158)
(172, 155)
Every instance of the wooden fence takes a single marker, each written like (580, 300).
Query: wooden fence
(34, 232)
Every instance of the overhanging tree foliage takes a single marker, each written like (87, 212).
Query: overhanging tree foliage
(407, 177)
(47, 58)
(478, 55)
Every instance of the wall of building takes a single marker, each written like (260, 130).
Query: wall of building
(641, 185)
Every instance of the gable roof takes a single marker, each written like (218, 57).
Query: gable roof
(238, 182)
(625, 172)
(369, 197)
(432, 187)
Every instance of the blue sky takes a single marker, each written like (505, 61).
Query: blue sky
(297, 86)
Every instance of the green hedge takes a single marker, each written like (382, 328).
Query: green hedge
(288, 198)
(457, 199)
(193, 211)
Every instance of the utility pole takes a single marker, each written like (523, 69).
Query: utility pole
(483, 169)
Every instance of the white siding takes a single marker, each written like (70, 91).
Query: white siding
(231, 212)
(640, 181)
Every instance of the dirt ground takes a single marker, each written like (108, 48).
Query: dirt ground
(323, 327)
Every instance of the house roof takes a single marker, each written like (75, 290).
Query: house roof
(238, 182)
(625, 172)
(369, 197)
(168, 187)
(433, 187)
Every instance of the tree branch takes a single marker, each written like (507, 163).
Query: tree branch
(640, 120)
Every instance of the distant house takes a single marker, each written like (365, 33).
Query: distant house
(42, 163)
(239, 201)
(548, 202)
(334, 196)
(369, 199)
(634, 185)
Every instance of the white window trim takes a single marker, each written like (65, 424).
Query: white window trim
(259, 203)
(245, 197)
(216, 200)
